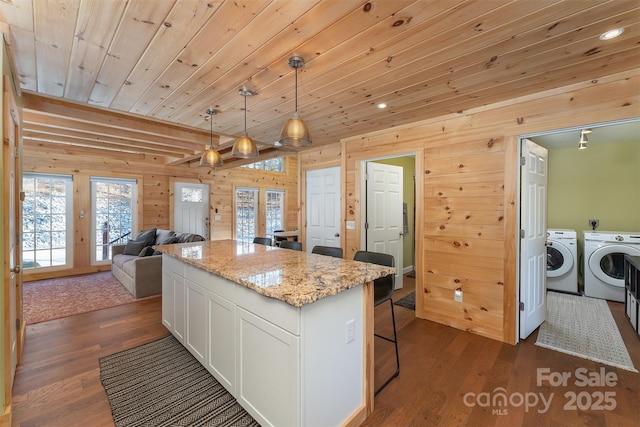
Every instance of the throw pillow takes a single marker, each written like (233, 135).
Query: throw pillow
(133, 247)
(149, 237)
(146, 251)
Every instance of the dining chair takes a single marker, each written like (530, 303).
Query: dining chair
(286, 244)
(327, 250)
(262, 240)
(383, 291)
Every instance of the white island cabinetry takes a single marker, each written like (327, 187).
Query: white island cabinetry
(288, 334)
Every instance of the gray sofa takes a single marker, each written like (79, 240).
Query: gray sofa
(138, 266)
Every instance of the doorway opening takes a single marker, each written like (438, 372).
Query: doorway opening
(389, 210)
(585, 183)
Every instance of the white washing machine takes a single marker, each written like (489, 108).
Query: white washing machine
(604, 262)
(562, 260)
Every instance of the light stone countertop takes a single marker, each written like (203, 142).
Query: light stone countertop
(295, 277)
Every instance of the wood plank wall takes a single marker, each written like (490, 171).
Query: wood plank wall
(155, 192)
(466, 178)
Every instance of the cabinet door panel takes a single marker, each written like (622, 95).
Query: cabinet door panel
(268, 370)
(222, 342)
(196, 327)
(168, 311)
(179, 307)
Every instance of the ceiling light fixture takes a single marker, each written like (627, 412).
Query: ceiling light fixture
(382, 105)
(611, 34)
(211, 158)
(244, 147)
(295, 132)
(583, 139)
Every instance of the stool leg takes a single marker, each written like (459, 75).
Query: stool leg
(395, 341)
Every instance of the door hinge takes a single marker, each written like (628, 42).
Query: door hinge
(366, 225)
(366, 177)
(521, 306)
(17, 324)
(523, 161)
(522, 234)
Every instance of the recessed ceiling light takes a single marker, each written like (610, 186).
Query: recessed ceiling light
(382, 105)
(611, 34)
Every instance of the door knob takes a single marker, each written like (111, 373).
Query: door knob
(336, 235)
(16, 269)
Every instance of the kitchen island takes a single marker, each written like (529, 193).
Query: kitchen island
(287, 333)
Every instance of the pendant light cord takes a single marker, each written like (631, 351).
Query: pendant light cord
(296, 90)
(210, 130)
(245, 114)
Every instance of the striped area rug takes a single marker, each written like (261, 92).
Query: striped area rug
(161, 384)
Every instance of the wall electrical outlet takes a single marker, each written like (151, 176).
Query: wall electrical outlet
(594, 223)
(457, 295)
(351, 330)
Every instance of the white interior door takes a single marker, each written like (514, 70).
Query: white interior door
(323, 208)
(533, 251)
(191, 208)
(12, 272)
(384, 213)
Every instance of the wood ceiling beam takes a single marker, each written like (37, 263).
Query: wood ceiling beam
(59, 124)
(92, 144)
(41, 131)
(114, 120)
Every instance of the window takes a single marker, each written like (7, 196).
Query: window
(275, 165)
(113, 214)
(246, 214)
(275, 211)
(47, 221)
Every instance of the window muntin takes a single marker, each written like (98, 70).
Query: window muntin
(47, 221)
(275, 165)
(191, 194)
(275, 211)
(113, 214)
(246, 214)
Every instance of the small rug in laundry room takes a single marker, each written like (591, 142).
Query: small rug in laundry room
(583, 327)
(408, 301)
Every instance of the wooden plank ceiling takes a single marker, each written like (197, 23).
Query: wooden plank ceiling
(136, 76)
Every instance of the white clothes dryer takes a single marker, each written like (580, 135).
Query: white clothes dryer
(604, 262)
(562, 260)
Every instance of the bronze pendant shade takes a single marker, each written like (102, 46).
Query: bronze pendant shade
(244, 147)
(211, 158)
(295, 132)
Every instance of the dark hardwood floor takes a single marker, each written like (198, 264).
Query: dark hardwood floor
(58, 382)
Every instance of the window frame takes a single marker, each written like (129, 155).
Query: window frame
(94, 179)
(69, 225)
(256, 211)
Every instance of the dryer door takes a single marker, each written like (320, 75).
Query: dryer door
(607, 263)
(559, 259)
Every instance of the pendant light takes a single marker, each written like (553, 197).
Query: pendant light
(211, 158)
(244, 147)
(295, 132)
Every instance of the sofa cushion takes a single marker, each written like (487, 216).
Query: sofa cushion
(129, 267)
(169, 240)
(148, 236)
(119, 260)
(146, 251)
(134, 247)
(163, 235)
